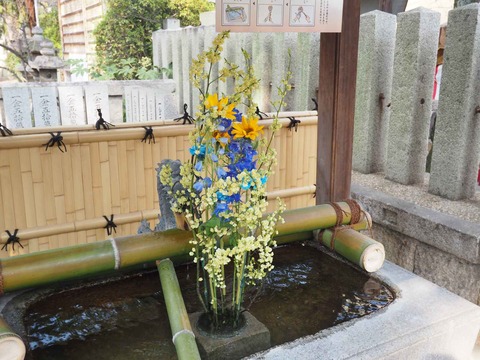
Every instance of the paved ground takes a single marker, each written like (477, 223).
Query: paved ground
(418, 194)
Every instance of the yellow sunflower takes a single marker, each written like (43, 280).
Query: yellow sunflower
(224, 109)
(248, 128)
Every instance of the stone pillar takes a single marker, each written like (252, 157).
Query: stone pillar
(414, 69)
(376, 48)
(171, 24)
(457, 133)
(459, 3)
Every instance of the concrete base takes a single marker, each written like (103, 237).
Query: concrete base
(252, 338)
(424, 322)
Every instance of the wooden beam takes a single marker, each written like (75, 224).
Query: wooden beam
(336, 107)
(385, 5)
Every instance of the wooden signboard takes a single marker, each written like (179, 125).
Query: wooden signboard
(279, 15)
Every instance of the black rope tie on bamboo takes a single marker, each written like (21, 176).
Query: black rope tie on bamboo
(260, 114)
(187, 119)
(111, 226)
(101, 122)
(149, 135)
(55, 140)
(12, 240)
(316, 104)
(4, 130)
(340, 213)
(293, 123)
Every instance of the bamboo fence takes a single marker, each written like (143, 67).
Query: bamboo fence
(59, 199)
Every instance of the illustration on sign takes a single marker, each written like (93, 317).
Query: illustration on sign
(236, 13)
(279, 15)
(302, 13)
(270, 12)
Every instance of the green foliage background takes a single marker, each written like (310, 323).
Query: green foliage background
(125, 32)
(51, 28)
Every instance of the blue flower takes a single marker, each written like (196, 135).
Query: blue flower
(264, 179)
(224, 124)
(220, 207)
(238, 115)
(199, 166)
(201, 150)
(221, 173)
(198, 186)
(214, 157)
(246, 186)
(207, 182)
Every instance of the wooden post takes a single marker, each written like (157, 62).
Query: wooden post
(385, 5)
(336, 107)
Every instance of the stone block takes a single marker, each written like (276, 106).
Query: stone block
(72, 106)
(374, 88)
(445, 232)
(45, 108)
(448, 271)
(414, 66)
(399, 249)
(252, 338)
(16, 103)
(424, 322)
(456, 147)
(167, 218)
(170, 24)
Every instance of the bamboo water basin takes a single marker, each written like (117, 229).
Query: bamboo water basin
(308, 291)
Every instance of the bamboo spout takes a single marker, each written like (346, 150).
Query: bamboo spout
(11, 345)
(183, 337)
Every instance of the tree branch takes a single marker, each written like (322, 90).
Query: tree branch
(13, 73)
(14, 52)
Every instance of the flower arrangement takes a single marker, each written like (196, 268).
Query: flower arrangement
(223, 186)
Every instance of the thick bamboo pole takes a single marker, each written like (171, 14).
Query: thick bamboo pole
(84, 260)
(126, 133)
(183, 336)
(11, 345)
(356, 247)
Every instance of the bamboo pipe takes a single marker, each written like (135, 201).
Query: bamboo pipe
(84, 260)
(287, 193)
(89, 224)
(312, 218)
(356, 247)
(365, 223)
(183, 336)
(121, 219)
(133, 133)
(11, 345)
(155, 123)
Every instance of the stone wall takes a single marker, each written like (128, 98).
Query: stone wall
(436, 246)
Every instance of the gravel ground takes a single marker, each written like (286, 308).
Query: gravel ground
(418, 194)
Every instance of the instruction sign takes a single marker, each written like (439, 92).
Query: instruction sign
(279, 15)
